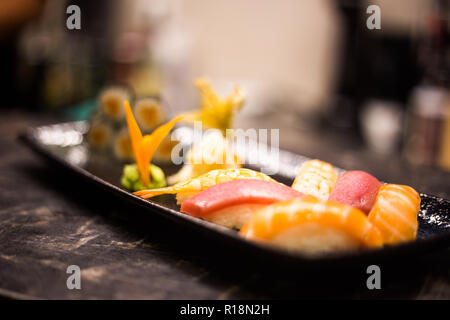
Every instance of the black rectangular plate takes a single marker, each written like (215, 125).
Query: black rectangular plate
(65, 145)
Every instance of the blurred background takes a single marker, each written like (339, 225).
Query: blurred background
(311, 68)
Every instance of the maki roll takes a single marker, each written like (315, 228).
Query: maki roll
(111, 102)
(99, 135)
(122, 145)
(106, 122)
(148, 113)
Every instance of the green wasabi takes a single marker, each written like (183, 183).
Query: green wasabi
(131, 181)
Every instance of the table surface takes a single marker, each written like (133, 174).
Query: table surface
(50, 219)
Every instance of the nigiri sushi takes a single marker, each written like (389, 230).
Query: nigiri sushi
(231, 203)
(186, 190)
(315, 178)
(395, 213)
(312, 226)
(357, 189)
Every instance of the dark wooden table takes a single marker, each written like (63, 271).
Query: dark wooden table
(50, 219)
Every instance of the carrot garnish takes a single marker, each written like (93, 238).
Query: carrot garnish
(145, 146)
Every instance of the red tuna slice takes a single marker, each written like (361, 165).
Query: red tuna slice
(237, 192)
(357, 189)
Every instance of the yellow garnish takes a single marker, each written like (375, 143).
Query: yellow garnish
(145, 146)
(214, 151)
(215, 112)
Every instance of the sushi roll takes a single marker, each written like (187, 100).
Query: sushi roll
(395, 213)
(99, 136)
(122, 145)
(187, 189)
(148, 113)
(312, 226)
(357, 189)
(231, 203)
(111, 102)
(316, 178)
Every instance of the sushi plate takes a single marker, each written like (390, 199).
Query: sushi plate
(65, 145)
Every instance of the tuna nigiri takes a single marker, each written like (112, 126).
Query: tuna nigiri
(315, 178)
(312, 226)
(357, 189)
(187, 189)
(232, 203)
(395, 213)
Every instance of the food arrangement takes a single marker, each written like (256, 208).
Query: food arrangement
(360, 212)
(321, 212)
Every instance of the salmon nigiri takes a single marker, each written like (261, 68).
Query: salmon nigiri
(315, 178)
(395, 213)
(312, 226)
(232, 203)
(187, 189)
